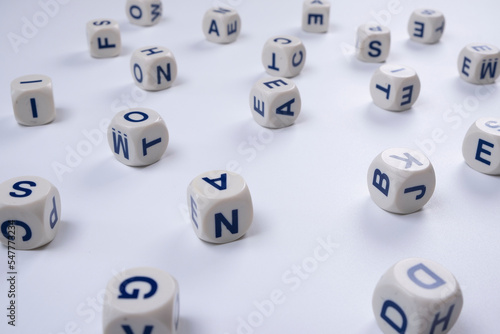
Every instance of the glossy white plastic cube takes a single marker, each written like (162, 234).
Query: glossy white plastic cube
(103, 37)
(221, 25)
(30, 212)
(144, 12)
(316, 16)
(481, 145)
(141, 300)
(220, 206)
(33, 99)
(478, 63)
(153, 68)
(373, 43)
(284, 56)
(417, 296)
(138, 137)
(401, 180)
(395, 87)
(275, 102)
(426, 26)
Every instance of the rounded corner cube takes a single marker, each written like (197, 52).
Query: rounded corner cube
(153, 68)
(284, 56)
(478, 63)
(33, 100)
(30, 212)
(417, 296)
(220, 206)
(141, 300)
(401, 180)
(103, 37)
(144, 12)
(481, 146)
(426, 26)
(373, 43)
(221, 25)
(315, 16)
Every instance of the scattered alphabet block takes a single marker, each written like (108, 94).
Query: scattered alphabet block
(481, 146)
(221, 25)
(478, 63)
(284, 56)
(373, 43)
(316, 16)
(144, 12)
(33, 100)
(426, 26)
(153, 68)
(103, 36)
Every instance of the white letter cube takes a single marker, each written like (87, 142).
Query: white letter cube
(141, 300)
(401, 180)
(426, 26)
(30, 212)
(138, 137)
(481, 146)
(33, 100)
(315, 16)
(103, 36)
(221, 25)
(284, 56)
(153, 68)
(220, 206)
(478, 63)
(395, 87)
(373, 43)
(144, 12)
(417, 296)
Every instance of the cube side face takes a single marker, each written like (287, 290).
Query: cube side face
(395, 87)
(478, 63)
(284, 56)
(481, 146)
(373, 43)
(316, 16)
(144, 12)
(153, 68)
(426, 26)
(33, 100)
(417, 296)
(221, 25)
(103, 37)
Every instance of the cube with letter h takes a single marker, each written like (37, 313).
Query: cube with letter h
(153, 68)
(138, 137)
(141, 300)
(33, 100)
(144, 12)
(30, 212)
(221, 25)
(417, 296)
(426, 26)
(401, 180)
(373, 43)
(284, 56)
(395, 87)
(481, 146)
(478, 63)
(316, 16)
(220, 206)
(104, 39)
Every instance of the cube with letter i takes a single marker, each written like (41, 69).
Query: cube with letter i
(481, 146)
(144, 12)
(33, 100)
(221, 25)
(316, 16)
(220, 206)
(417, 296)
(478, 63)
(104, 39)
(426, 26)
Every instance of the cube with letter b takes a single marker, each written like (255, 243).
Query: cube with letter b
(33, 100)
(220, 206)
(481, 146)
(478, 63)
(417, 296)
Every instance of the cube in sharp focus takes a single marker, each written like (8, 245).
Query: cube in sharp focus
(316, 16)
(33, 100)
(426, 26)
(401, 180)
(417, 296)
(141, 300)
(30, 212)
(477, 63)
(220, 206)
(275, 102)
(138, 137)
(144, 12)
(103, 36)
(373, 43)
(481, 146)
(284, 56)
(153, 68)
(221, 25)
(395, 87)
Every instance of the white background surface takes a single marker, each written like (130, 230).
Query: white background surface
(308, 181)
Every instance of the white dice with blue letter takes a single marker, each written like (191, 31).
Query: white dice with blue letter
(478, 63)
(401, 180)
(316, 16)
(138, 137)
(220, 206)
(153, 68)
(373, 43)
(30, 212)
(481, 146)
(284, 56)
(221, 25)
(395, 87)
(144, 12)
(103, 36)
(426, 26)
(141, 301)
(417, 296)
(33, 100)
(275, 102)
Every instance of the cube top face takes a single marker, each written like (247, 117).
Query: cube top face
(373, 29)
(481, 146)
(316, 16)
(33, 100)
(221, 25)
(406, 160)
(426, 26)
(144, 299)
(284, 56)
(214, 184)
(103, 37)
(28, 83)
(478, 63)
(153, 68)
(398, 71)
(144, 12)
(373, 42)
